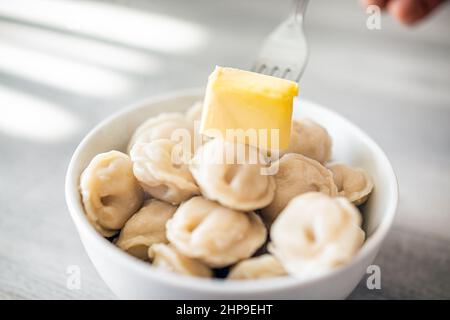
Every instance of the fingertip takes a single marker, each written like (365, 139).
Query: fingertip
(403, 11)
(410, 12)
(379, 3)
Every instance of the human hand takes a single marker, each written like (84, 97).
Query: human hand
(408, 12)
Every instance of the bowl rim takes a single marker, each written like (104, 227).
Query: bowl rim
(144, 269)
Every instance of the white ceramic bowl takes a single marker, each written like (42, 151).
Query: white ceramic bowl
(129, 277)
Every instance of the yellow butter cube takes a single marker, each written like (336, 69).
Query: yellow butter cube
(239, 101)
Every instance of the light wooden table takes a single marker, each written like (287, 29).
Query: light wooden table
(394, 83)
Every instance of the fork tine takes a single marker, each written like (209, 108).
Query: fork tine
(258, 67)
(284, 53)
(254, 67)
(273, 71)
(261, 68)
(299, 76)
(286, 73)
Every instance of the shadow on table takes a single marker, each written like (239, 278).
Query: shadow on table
(413, 266)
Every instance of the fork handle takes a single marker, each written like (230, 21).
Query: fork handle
(299, 10)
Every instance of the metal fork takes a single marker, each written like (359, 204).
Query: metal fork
(285, 51)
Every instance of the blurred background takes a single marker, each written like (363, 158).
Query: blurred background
(66, 65)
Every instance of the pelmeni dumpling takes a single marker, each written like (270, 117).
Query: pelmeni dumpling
(168, 258)
(162, 126)
(146, 227)
(161, 171)
(265, 266)
(215, 235)
(316, 233)
(194, 113)
(232, 175)
(353, 183)
(110, 192)
(296, 175)
(310, 139)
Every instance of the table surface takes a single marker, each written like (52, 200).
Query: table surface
(61, 78)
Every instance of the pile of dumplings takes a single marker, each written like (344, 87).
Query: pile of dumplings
(209, 219)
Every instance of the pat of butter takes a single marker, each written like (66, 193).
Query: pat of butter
(257, 105)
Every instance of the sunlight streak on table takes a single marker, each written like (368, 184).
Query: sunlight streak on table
(61, 73)
(29, 117)
(79, 49)
(110, 22)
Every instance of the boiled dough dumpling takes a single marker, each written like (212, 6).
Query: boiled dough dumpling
(110, 192)
(296, 175)
(353, 183)
(146, 227)
(316, 233)
(166, 257)
(162, 126)
(215, 235)
(310, 139)
(194, 113)
(265, 266)
(163, 175)
(234, 182)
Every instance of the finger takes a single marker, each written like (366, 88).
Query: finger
(411, 11)
(379, 3)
